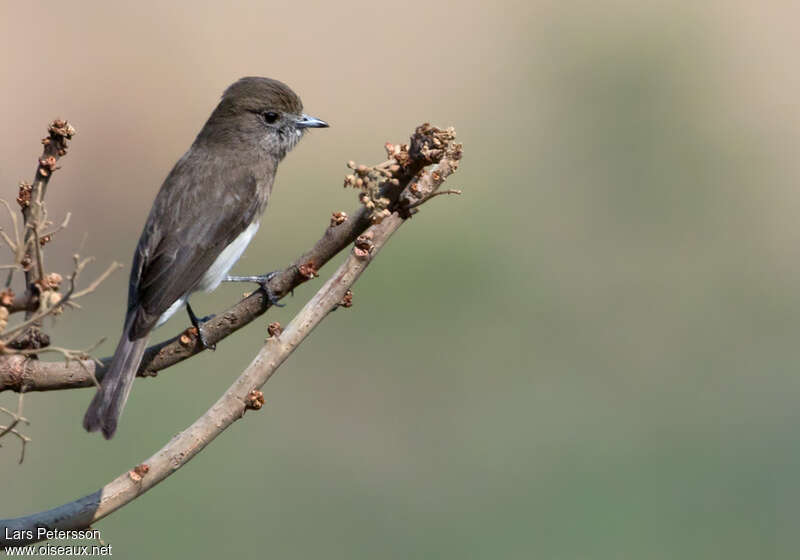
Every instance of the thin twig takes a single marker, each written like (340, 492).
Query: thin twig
(437, 193)
(68, 296)
(16, 418)
(23, 439)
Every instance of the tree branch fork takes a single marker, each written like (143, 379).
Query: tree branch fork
(391, 192)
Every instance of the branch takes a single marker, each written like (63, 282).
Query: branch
(244, 394)
(409, 162)
(55, 146)
(67, 299)
(16, 418)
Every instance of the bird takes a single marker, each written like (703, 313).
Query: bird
(204, 216)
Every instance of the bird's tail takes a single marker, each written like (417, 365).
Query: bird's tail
(106, 407)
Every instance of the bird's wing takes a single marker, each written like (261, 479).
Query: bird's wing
(190, 224)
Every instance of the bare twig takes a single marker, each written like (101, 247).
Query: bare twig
(70, 295)
(437, 193)
(16, 418)
(15, 245)
(24, 440)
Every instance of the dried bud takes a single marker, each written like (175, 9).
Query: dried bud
(7, 297)
(338, 218)
(53, 280)
(61, 128)
(363, 245)
(188, 337)
(402, 157)
(24, 194)
(378, 217)
(254, 400)
(45, 239)
(47, 164)
(351, 164)
(274, 329)
(308, 270)
(137, 473)
(347, 300)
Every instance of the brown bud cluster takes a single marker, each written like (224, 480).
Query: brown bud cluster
(50, 282)
(397, 152)
(24, 194)
(274, 329)
(33, 338)
(308, 270)
(47, 165)
(431, 144)
(61, 128)
(7, 297)
(254, 400)
(347, 300)
(187, 338)
(363, 245)
(137, 473)
(369, 180)
(338, 218)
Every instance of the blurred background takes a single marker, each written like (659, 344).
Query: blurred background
(590, 354)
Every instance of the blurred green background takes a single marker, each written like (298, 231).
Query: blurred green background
(591, 354)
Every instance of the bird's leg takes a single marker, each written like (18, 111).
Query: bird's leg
(198, 324)
(263, 281)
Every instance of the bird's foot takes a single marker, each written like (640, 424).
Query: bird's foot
(263, 281)
(198, 324)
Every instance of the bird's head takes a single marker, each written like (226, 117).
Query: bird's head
(262, 112)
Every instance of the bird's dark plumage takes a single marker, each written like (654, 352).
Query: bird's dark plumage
(202, 219)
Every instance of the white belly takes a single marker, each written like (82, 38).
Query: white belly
(226, 259)
(218, 270)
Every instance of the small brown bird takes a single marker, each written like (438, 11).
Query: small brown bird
(203, 218)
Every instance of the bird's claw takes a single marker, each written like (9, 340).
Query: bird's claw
(263, 282)
(198, 324)
(203, 340)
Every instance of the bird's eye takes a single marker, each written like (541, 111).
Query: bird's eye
(270, 116)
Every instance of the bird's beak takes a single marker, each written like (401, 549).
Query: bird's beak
(306, 121)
